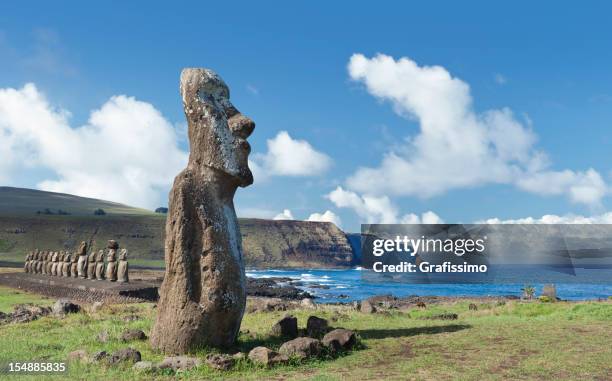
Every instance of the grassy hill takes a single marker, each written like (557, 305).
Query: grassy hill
(266, 243)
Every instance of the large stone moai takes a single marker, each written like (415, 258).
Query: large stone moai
(203, 296)
(39, 262)
(100, 265)
(111, 261)
(49, 263)
(122, 267)
(66, 265)
(54, 260)
(28, 261)
(74, 265)
(82, 260)
(43, 267)
(91, 265)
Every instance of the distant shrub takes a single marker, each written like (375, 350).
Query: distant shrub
(528, 292)
(545, 299)
(62, 212)
(99, 212)
(162, 210)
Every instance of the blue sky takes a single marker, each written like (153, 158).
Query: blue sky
(287, 67)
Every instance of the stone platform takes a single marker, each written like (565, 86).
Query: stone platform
(83, 290)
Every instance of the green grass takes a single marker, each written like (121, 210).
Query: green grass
(10, 297)
(527, 341)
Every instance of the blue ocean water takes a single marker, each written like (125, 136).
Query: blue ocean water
(348, 285)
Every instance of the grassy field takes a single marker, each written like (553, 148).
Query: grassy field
(517, 341)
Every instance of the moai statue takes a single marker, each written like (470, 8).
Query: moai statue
(203, 295)
(66, 265)
(43, 264)
(122, 268)
(36, 263)
(74, 265)
(54, 258)
(82, 260)
(111, 261)
(91, 265)
(100, 265)
(49, 263)
(26, 263)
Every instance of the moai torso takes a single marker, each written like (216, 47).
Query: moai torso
(203, 295)
(66, 266)
(74, 265)
(91, 266)
(82, 261)
(111, 261)
(122, 267)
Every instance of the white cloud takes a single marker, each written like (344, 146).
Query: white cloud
(328, 216)
(455, 147)
(605, 218)
(127, 152)
(377, 210)
(285, 215)
(289, 157)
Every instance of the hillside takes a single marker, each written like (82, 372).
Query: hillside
(266, 243)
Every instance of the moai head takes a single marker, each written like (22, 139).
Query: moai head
(82, 250)
(123, 255)
(217, 130)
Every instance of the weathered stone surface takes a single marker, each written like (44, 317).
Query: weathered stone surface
(144, 366)
(78, 355)
(74, 265)
(100, 265)
(126, 354)
(24, 313)
(239, 356)
(302, 347)
(122, 267)
(203, 295)
(64, 306)
(339, 339)
(82, 260)
(99, 356)
(265, 356)
(367, 307)
(133, 334)
(220, 361)
(285, 327)
(179, 363)
(111, 261)
(316, 327)
(66, 266)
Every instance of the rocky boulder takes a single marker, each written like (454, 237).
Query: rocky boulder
(65, 306)
(179, 363)
(265, 356)
(316, 327)
(339, 339)
(133, 334)
(286, 327)
(367, 307)
(220, 361)
(126, 354)
(302, 347)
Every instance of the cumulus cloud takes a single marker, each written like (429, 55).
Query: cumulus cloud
(456, 147)
(327, 216)
(605, 218)
(377, 210)
(285, 215)
(127, 151)
(289, 157)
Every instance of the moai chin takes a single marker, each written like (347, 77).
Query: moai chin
(122, 267)
(82, 260)
(202, 297)
(111, 261)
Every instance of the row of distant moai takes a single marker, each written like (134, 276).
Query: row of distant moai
(80, 265)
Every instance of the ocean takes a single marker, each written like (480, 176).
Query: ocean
(349, 285)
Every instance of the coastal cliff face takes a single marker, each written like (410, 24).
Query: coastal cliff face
(268, 243)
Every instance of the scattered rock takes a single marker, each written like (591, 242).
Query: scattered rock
(126, 354)
(239, 356)
(130, 318)
(99, 356)
(179, 363)
(308, 303)
(64, 306)
(79, 355)
(133, 334)
(265, 356)
(473, 307)
(421, 305)
(367, 307)
(340, 339)
(443, 316)
(220, 361)
(302, 347)
(286, 327)
(316, 327)
(143, 366)
(24, 313)
(266, 304)
(275, 288)
(103, 336)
